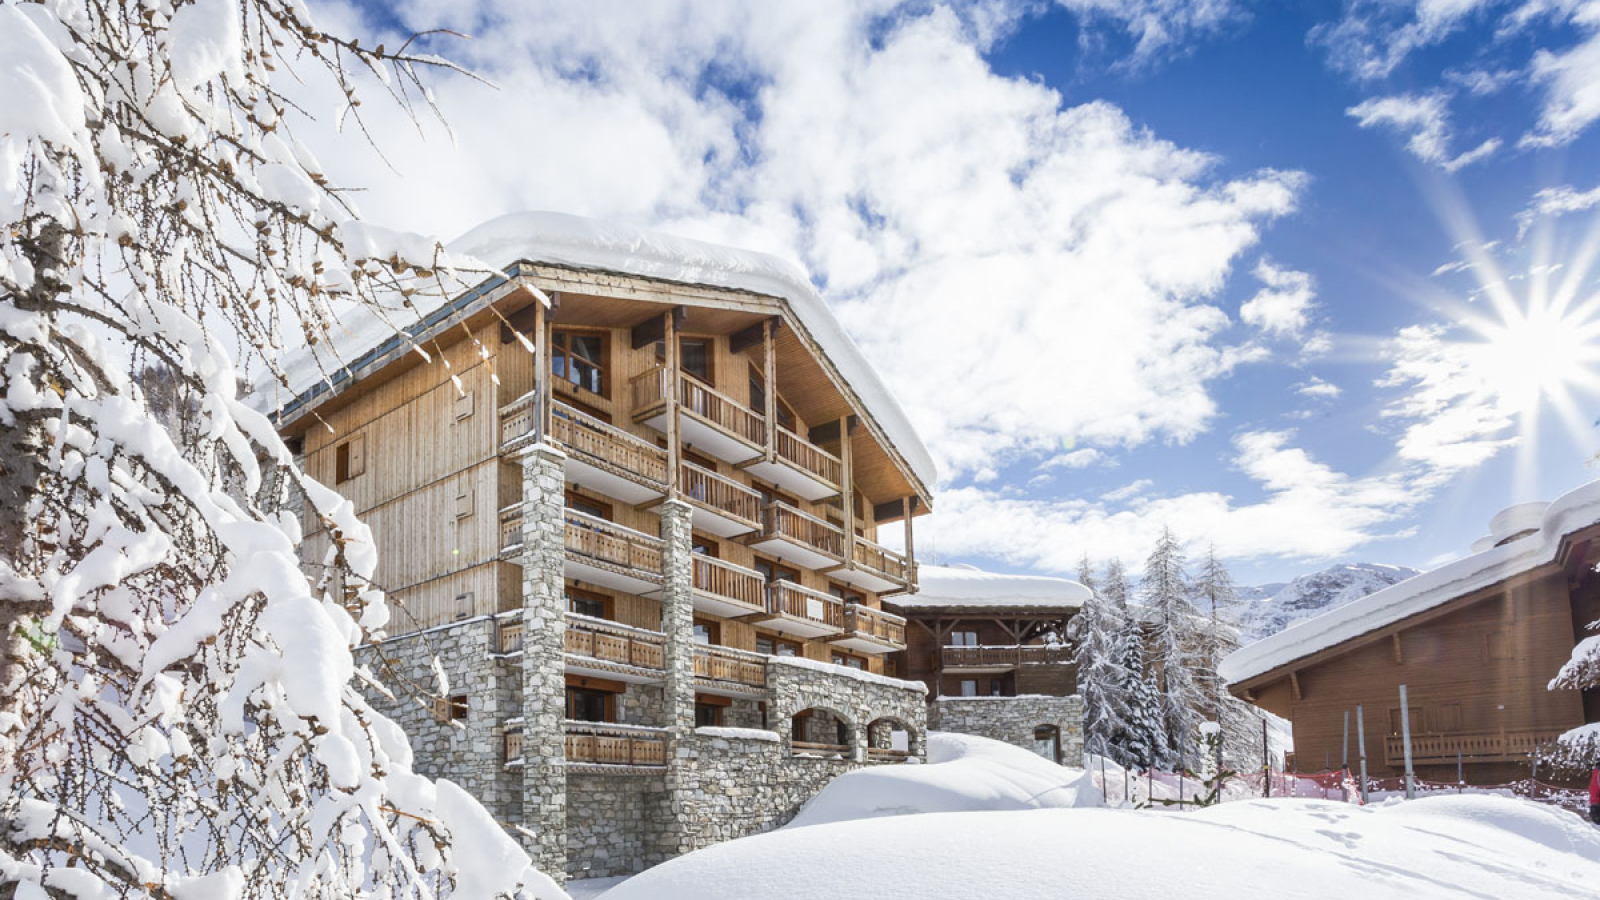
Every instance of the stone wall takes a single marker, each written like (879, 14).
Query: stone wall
(1013, 719)
(738, 786)
(614, 824)
(856, 697)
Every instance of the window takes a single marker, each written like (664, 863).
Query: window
(997, 687)
(847, 595)
(579, 358)
(707, 716)
(706, 631)
(776, 646)
(969, 687)
(963, 639)
(758, 400)
(704, 546)
(1394, 720)
(350, 459)
(849, 660)
(771, 571)
(586, 604)
(589, 705)
(450, 709)
(694, 356)
(1047, 742)
(1445, 718)
(588, 506)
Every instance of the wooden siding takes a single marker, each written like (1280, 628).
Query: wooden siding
(1481, 666)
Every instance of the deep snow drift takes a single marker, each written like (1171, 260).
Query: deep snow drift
(964, 774)
(998, 822)
(1444, 847)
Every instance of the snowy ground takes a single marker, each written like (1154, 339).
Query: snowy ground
(998, 822)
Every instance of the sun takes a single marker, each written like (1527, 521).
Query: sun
(1540, 354)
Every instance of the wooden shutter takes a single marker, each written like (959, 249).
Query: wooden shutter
(464, 406)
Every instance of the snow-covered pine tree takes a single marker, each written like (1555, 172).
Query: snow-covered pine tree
(1097, 631)
(1173, 638)
(1145, 743)
(1218, 599)
(1579, 748)
(177, 717)
(1116, 587)
(1086, 573)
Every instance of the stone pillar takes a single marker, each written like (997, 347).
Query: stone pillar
(544, 690)
(677, 622)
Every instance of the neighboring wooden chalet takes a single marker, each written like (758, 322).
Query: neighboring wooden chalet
(640, 525)
(1475, 641)
(993, 652)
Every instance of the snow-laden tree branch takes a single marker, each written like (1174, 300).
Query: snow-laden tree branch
(177, 717)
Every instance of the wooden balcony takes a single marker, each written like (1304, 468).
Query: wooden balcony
(517, 421)
(710, 420)
(613, 650)
(732, 672)
(871, 630)
(510, 636)
(611, 555)
(599, 743)
(607, 459)
(799, 538)
(876, 568)
(801, 611)
(800, 467)
(724, 589)
(819, 751)
(1474, 746)
(1002, 659)
(722, 506)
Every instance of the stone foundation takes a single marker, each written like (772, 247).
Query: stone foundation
(1013, 720)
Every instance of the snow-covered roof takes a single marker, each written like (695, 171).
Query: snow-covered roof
(964, 586)
(1575, 510)
(569, 240)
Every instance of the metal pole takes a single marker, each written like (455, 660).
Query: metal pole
(1126, 795)
(1344, 752)
(1405, 737)
(1104, 785)
(1459, 779)
(1361, 748)
(1266, 762)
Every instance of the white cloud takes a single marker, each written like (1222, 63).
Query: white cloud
(1483, 82)
(1373, 37)
(1128, 491)
(1459, 265)
(1157, 27)
(1452, 411)
(1318, 389)
(1571, 82)
(1425, 118)
(1082, 458)
(1306, 510)
(1283, 307)
(1557, 201)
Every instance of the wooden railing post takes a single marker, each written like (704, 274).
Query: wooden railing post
(769, 371)
(673, 396)
(847, 490)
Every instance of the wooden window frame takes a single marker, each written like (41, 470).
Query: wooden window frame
(450, 709)
(956, 643)
(609, 511)
(350, 459)
(775, 566)
(779, 641)
(710, 340)
(712, 547)
(713, 630)
(786, 414)
(608, 604)
(561, 347)
(846, 593)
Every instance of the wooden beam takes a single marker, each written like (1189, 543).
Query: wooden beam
(669, 332)
(1294, 686)
(769, 374)
(524, 320)
(655, 328)
(543, 380)
(848, 496)
(748, 337)
(1399, 657)
(908, 504)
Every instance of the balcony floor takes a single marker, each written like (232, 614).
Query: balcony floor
(789, 626)
(582, 568)
(792, 478)
(600, 668)
(717, 605)
(582, 472)
(866, 579)
(708, 438)
(714, 521)
(792, 551)
(862, 644)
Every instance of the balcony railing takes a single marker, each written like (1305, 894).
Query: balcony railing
(887, 755)
(608, 447)
(613, 745)
(510, 527)
(808, 457)
(700, 400)
(983, 657)
(1477, 746)
(883, 561)
(809, 748)
(779, 519)
(614, 643)
(727, 664)
(613, 544)
(517, 418)
(726, 496)
(511, 636)
(864, 621)
(728, 581)
(792, 601)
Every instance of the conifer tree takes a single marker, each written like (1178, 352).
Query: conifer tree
(1116, 587)
(1097, 632)
(1217, 597)
(1173, 641)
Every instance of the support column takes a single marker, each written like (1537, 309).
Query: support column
(677, 622)
(544, 688)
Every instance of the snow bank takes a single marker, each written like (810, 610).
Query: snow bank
(1446, 847)
(940, 586)
(816, 665)
(965, 773)
(1576, 509)
(738, 734)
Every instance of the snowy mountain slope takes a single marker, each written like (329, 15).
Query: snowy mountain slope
(1271, 608)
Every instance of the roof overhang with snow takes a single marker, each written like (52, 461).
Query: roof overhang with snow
(963, 589)
(1566, 525)
(520, 243)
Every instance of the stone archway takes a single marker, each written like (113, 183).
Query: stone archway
(821, 732)
(890, 739)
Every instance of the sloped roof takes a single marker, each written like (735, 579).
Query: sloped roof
(1573, 511)
(941, 587)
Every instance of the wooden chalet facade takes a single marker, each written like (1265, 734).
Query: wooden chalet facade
(1476, 643)
(656, 485)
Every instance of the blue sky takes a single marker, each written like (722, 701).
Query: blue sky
(1225, 267)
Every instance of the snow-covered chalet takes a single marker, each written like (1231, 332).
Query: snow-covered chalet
(633, 504)
(1475, 641)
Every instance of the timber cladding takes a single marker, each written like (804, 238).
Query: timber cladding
(1477, 666)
